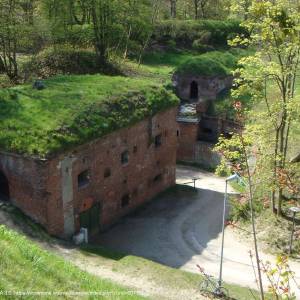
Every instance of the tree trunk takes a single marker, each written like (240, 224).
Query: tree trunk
(173, 8)
(196, 7)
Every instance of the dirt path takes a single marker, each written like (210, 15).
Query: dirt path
(183, 229)
(141, 283)
(102, 267)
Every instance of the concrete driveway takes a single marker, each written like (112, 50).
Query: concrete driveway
(182, 228)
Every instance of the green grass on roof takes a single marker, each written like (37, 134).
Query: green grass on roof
(214, 63)
(73, 110)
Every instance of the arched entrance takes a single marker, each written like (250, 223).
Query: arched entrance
(4, 187)
(194, 90)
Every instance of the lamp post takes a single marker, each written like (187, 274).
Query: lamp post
(233, 177)
(294, 210)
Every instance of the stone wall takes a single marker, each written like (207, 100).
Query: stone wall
(48, 191)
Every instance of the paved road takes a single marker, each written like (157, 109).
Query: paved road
(183, 228)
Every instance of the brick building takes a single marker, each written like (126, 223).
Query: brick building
(96, 183)
(198, 133)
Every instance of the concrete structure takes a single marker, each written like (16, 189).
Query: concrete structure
(94, 184)
(191, 88)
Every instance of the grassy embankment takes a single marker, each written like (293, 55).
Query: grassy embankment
(24, 266)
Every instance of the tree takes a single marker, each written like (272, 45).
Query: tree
(15, 18)
(200, 8)
(269, 77)
(240, 8)
(102, 18)
(173, 8)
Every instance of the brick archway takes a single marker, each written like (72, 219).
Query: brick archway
(4, 187)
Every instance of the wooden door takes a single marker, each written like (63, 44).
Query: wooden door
(90, 219)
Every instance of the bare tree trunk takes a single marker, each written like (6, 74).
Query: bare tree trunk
(196, 9)
(262, 297)
(173, 8)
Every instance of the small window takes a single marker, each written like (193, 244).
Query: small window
(125, 157)
(83, 179)
(135, 148)
(157, 178)
(177, 132)
(125, 200)
(107, 173)
(158, 141)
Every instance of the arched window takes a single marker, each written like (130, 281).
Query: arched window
(4, 187)
(194, 90)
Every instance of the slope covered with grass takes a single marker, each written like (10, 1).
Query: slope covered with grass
(26, 267)
(214, 63)
(72, 110)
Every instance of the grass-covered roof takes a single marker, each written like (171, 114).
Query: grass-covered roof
(215, 63)
(72, 110)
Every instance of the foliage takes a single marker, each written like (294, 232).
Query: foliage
(269, 77)
(279, 277)
(65, 60)
(223, 170)
(214, 63)
(206, 32)
(84, 107)
(26, 267)
(13, 31)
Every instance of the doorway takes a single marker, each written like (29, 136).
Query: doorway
(4, 187)
(90, 219)
(194, 93)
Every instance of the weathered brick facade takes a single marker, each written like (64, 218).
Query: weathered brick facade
(116, 174)
(197, 137)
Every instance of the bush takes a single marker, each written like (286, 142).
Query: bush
(239, 210)
(4, 81)
(65, 60)
(208, 32)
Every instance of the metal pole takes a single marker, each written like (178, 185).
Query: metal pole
(292, 234)
(218, 290)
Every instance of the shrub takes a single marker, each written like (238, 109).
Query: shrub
(4, 81)
(239, 210)
(65, 60)
(208, 32)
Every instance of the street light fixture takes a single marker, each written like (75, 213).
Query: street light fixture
(234, 177)
(294, 210)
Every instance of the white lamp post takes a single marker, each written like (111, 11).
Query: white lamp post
(294, 210)
(233, 177)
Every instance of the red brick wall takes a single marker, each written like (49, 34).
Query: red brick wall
(187, 139)
(36, 187)
(191, 149)
(27, 184)
(135, 178)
